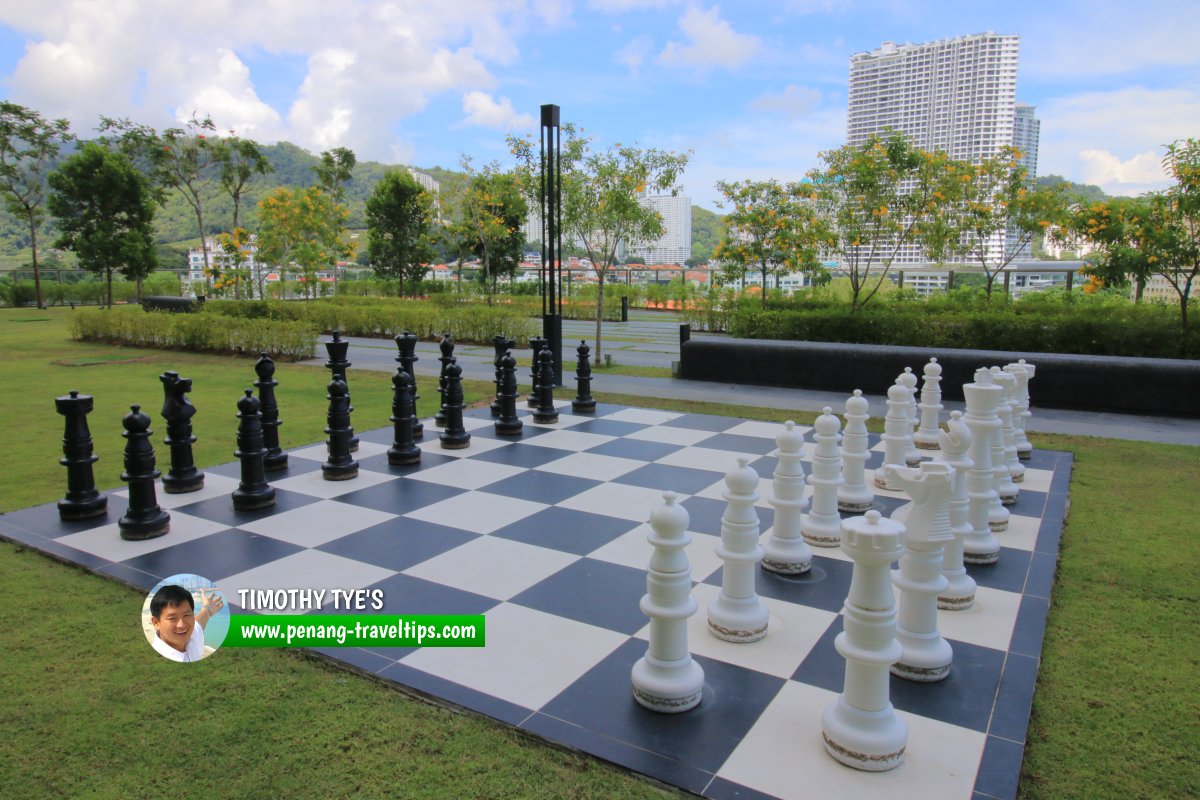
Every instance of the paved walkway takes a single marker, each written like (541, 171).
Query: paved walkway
(652, 339)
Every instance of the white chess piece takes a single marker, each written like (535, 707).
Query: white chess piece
(861, 728)
(981, 545)
(1006, 490)
(854, 495)
(926, 655)
(926, 438)
(897, 433)
(1008, 419)
(912, 457)
(667, 679)
(1024, 447)
(822, 526)
(737, 615)
(959, 594)
(786, 552)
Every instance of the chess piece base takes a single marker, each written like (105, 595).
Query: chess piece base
(339, 472)
(449, 442)
(981, 558)
(192, 483)
(667, 687)
(737, 620)
(71, 510)
(509, 429)
(583, 408)
(545, 419)
(873, 741)
(253, 501)
(399, 458)
(276, 462)
(786, 567)
(140, 530)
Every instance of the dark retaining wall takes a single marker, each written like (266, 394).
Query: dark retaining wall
(1160, 386)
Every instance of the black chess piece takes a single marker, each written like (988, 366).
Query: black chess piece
(178, 411)
(82, 501)
(583, 402)
(144, 519)
(535, 344)
(339, 466)
(253, 491)
(455, 436)
(508, 424)
(406, 342)
(275, 459)
(545, 413)
(338, 366)
(502, 344)
(447, 348)
(403, 450)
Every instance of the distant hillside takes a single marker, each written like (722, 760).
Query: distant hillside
(1080, 192)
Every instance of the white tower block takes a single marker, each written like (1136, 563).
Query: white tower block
(854, 495)
(822, 526)
(666, 678)
(737, 615)
(909, 381)
(1006, 490)
(980, 545)
(1008, 412)
(926, 655)
(959, 594)
(1024, 447)
(786, 552)
(861, 728)
(926, 438)
(897, 433)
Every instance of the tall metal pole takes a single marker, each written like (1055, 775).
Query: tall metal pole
(551, 202)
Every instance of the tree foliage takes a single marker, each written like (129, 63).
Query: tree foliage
(302, 227)
(399, 218)
(493, 211)
(104, 212)
(240, 160)
(335, 170)
(28, 145)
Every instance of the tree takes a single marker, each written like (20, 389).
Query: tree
(873, 199)
(997, 213)
(104, 212)
(335, 171)
(600, 191)
(1116, 228)
(235, 246)
(399, 215)
(772, 229)
(28, 145)
(240, 160)
(493, 211)
(301, 226)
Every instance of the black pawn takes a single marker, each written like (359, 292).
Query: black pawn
(403, 450)
(178, 411)
(502, 344)
(535, 344)
(545, 412)
(275, 459)
(583, 402)
(508, 423)
(144, 519)
(447, 348)
(337, 366)
(82, 501)
(407, 344)
(340, 466)
(253, 492)
(455, 436)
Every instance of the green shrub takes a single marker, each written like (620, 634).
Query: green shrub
(198, 332)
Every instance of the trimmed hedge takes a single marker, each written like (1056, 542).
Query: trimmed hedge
(197, 332)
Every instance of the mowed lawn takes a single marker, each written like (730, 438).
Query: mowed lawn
(82, 713)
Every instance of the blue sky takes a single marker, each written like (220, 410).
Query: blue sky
(754, 89)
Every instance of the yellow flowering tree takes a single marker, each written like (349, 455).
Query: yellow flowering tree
(301, 227)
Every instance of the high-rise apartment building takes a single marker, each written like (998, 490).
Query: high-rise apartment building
(675, 245)
(955, 95)
(1026, 133)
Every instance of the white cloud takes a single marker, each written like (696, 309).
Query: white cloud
(793, 101)
(711, 41)
(1102, 167)
(484, 110)
(635, 53)
(228, 95)
(621, 6)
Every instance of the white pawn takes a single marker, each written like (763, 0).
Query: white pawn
(737, 615)
(786, 552)
(926, 438)
(666, 679)
(926, 655)
(854, 495)
(1024, 447)
(897, 433)
(1006, 490)
(822, 526)
(861, 728)
(981, 545)
(909, 381)
(959, 594)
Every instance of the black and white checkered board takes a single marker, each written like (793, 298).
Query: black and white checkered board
(546, 535)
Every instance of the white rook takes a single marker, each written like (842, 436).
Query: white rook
(959, 594)
(822, 526)
(737, 615)
(981, 545)
(666, 678)
(926, 655)
(861, 728)
(786, 552)
(854, 495)
(926, 438)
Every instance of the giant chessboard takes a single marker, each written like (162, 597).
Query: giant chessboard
(546, 536)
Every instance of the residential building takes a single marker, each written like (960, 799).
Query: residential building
(1026, 135)
(675, 245)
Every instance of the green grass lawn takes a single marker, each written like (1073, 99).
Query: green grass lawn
(87, 710)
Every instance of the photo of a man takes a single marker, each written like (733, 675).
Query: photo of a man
(178, 628)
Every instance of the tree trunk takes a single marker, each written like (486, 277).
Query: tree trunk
(599, 311)
(109, 272)
(37, 274)
(763, 286)
(204, 250)
(1139, 287)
